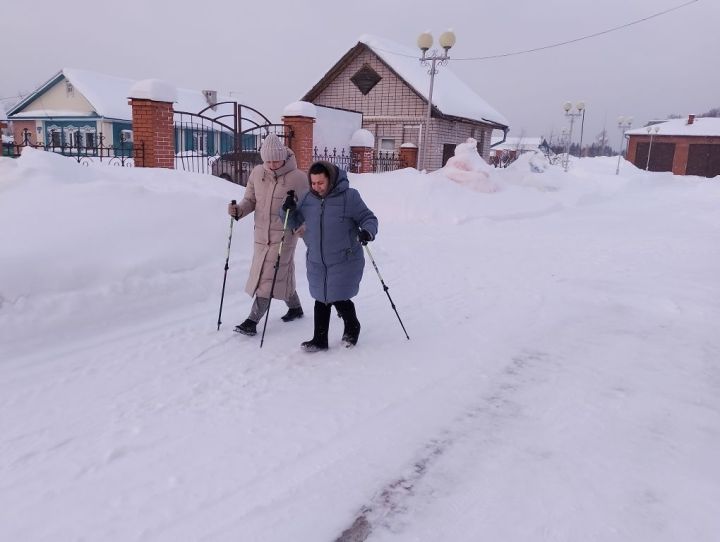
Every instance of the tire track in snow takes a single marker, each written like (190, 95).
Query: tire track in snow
(496, 408)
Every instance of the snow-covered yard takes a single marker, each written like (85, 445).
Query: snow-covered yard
(561, 382)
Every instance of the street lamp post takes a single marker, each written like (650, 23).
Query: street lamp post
(652, 130)
(424, 42)
(624, 123)
(579, 111)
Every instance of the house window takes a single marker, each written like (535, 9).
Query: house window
(387, 144)
(200, 142)
(76, 138)
(68, 135)
(365, 79)
(89, 139)
(69, 90)
(55, 139)
(126, 136)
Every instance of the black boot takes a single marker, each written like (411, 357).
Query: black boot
(248, 327)
(292, 314)
(322, 323)
(352, 325)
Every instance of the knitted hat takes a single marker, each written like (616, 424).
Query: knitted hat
(273, 150)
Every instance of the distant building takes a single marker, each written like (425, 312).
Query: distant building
(3, 121)
(75, 106)
(387, 84)
(504, 152)
(688, 146)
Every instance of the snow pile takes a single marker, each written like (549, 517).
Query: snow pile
(77, 239)
(468, 168)
(561, 380)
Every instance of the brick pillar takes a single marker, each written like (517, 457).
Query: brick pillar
(153, 126)
(409, 155)
(364, 157)
(680, 160)
(301, 142)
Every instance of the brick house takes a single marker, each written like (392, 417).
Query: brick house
(688, 146)
(387, 83)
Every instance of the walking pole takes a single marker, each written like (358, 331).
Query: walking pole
(227, 260)
(277, 266)
(367, 248)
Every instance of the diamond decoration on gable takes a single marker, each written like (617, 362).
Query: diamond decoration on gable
(365, 79)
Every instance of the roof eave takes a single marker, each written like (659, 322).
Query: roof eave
(36, 93)
(488, 122)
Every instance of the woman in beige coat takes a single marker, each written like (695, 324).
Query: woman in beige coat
(265, 193)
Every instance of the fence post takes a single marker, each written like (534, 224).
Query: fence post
(362, 145)
(409, 155)
(152, 122)
(299, 117)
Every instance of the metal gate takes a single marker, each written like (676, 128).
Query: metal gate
(223, 139)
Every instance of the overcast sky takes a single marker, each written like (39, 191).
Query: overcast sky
(269, 53)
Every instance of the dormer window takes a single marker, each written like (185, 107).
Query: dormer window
(365, 79)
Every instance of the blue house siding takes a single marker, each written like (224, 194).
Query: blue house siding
(124, 149)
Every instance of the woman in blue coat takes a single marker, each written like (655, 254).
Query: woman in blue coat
(337, 224)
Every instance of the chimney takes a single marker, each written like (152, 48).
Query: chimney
(691, 119)
(210, 97)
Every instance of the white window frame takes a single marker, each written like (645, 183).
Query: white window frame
(200, 142)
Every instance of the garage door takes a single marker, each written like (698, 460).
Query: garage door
(703, 160)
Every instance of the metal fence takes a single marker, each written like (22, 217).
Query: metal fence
(341, 159)
(387, 161)
(124, 154)
(381, 161)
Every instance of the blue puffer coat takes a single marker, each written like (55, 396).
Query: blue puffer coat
(335, 259)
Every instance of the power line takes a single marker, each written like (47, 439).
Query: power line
(559, 44)
(581, 38)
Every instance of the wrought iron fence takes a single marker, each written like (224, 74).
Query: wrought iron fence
(341, 159)
(387, 161)
(123, 155)
(381, 161)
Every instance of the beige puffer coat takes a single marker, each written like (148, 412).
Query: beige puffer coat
(265, 193)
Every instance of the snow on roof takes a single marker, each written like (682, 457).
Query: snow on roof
(154, 89)
(702, 126)
(450, 95)
(55, 113)
(109, 94)
(516, 143)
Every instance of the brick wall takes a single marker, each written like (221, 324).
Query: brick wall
(391, 96)
(152, 124)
